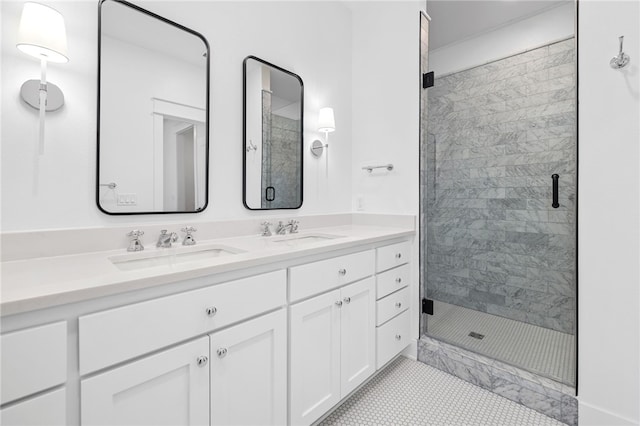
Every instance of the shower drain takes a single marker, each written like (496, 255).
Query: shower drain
(476, 335)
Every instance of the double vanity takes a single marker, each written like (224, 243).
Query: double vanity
(239, 330)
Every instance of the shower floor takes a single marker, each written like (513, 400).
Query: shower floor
(546, 352)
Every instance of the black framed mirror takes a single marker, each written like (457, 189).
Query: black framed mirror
(273, 121)
(153, 113)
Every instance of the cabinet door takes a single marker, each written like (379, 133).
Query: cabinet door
(358, 333)
(315, 357)
(168, 388)
(249, 372)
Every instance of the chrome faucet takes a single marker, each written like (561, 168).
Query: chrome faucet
(188, 239)
(165, 240)
(135, 244)
(292, 226)
(282, 228)
(266, 230)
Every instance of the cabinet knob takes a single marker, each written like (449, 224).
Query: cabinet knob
(398, 280)
(339, 303)
(222, 352)
(347, 300)
(212, 310)
(202, 361)
(342, 272)
(398, 337)
(398, 255)
(398, 305)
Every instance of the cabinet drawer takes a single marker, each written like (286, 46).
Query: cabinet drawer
(119, 334)
(392, 280)
(393, 255)
(392, 305)
(49, 409)
(317, 277)
(392, 338)
(33, 360)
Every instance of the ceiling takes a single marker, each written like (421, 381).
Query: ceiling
(456, 20)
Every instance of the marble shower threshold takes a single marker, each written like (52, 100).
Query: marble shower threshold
(546, 396)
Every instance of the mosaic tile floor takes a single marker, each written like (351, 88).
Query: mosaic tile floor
(539, 350)
(412, 393)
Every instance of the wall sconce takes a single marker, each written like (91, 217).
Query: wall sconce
(42, 34)
(326, 124)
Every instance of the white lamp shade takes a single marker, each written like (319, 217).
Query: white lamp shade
(326, 121)
(42, 33)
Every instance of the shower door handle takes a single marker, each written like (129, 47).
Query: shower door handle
(555, 203)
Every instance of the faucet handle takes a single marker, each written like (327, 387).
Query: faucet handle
(135, 233)
(188, 239)
(293, 226)
(266, 230)
(135, 244)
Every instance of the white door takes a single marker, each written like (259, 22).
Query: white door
(358, 333)
(249, 372)
(315, 357)
(169, 388)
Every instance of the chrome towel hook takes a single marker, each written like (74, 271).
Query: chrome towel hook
(622, 59)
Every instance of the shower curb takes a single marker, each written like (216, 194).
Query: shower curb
(546, 396)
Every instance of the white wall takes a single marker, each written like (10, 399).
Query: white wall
(551, 25)
(290, 34)
(608, 228)
(386, 102)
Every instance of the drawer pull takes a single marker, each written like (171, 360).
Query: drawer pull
(398, 280)
(339, 303)
(202, 361)
(342, 272)
(398, 305)
(398, 337)
(222, 352)
(211, 311)
(347, 300)
(398, 255)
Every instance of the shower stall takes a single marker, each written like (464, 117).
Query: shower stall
(498, 184)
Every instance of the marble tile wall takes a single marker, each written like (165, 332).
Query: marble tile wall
(543, 395)
(495, 134)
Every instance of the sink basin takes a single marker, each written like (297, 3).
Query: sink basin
(304, 239)
(168, 257)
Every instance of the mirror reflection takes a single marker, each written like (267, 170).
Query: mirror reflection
(273, 117)
(153, 113)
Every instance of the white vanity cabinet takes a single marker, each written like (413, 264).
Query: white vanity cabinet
(279, 340)
(332, 344)
(48, 409)
(393, 297)
(33, 360)
(249, 372)
(231, 362)
(168, 388)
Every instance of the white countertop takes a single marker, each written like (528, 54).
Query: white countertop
(44, 282)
